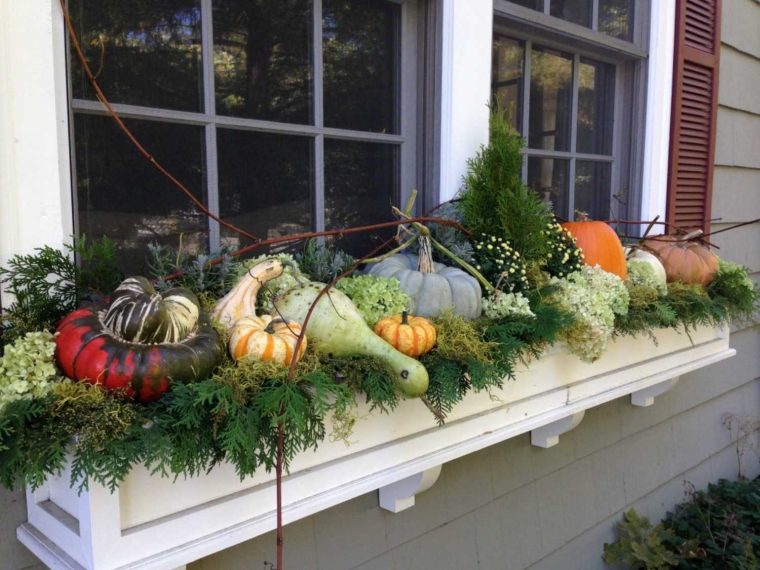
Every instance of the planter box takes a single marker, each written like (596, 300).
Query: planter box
(399, 454)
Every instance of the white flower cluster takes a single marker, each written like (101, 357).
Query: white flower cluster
(499, 305)
(642, 274)
(26, 368)
(594, 297)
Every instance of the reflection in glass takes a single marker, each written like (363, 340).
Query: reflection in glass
(616, 17)
(361, 185)
(360, 54)
(143, 52)
(549, 178)
(596, 95)
(575, 11)
(592, 188)
(532, 4)
(122, 196)
(550, 99)
(507, 78)
(262, 59)
(265, 183)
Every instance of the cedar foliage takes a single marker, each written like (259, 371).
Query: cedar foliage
(494, 200)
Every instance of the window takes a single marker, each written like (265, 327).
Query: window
(282, 116)
(569, 76)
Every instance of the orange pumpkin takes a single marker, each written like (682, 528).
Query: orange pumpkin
(684, 260)
(600, 245)
(265, 338)
(411, 335)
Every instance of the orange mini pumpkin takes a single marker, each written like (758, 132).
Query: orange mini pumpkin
(685, 260)
(411, 335)
(265, 338)
(600, 245)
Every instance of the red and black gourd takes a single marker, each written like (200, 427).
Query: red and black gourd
(141, 342)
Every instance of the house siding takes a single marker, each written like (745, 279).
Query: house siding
(514, 506)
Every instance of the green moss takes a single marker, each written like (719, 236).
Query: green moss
(460, 340)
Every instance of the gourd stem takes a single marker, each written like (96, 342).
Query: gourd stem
(404, 318)
(464, 265)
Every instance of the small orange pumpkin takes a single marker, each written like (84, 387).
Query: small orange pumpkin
(600, 245)
(411, 335)
(685, 260)
(265, 338)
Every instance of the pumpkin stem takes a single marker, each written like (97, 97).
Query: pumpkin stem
(425, 263)
(404, 318)
(581, 216)
(691, 235)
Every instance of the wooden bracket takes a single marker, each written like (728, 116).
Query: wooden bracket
(645, 397)
(548, 435)
(399, 496)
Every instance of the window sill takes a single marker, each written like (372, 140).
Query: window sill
(400, 454)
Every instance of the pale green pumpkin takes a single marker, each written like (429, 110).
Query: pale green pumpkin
(433, 292)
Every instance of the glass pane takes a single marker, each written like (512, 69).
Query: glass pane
(143, 53)
(549, 177)
(361, 185)
(265, 184)
(592, 188)
(507, 78)
(616, 17)
(596, 97)
(119, 194)
(575, 11)
(361, 51)
(262, 59)
(533, 4)
(551, 84)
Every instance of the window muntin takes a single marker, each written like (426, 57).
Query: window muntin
(282, 138)
(614, 18)
(567, 111)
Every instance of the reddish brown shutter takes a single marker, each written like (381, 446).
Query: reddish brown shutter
(695, 103)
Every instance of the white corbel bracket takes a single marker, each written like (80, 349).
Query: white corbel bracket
(399, 496)
(548, 435)
(645, 397)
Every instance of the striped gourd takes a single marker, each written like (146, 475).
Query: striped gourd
(266, 338)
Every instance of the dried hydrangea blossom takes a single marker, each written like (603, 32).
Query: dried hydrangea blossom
(26, 367)
(594, 297)
(499, 305)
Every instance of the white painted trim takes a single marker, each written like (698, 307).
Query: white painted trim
(465, 87)
(400, 495)
(659, 96)
(35, 182)
(198, 516)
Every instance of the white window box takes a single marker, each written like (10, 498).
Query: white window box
(150, 522)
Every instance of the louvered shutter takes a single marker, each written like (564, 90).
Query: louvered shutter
(695, 102)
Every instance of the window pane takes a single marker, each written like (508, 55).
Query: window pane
(264, 183)
(576, 11)
(119, 194)
(550, 99)
(549, 177)
(592, 188)
(533, 4)
(360, 54)
(507, 78)
(615, 18)
(361, 181)
(596, 95)
(143, 53)
(262, 59)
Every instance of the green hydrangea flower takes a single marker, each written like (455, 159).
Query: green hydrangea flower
(375, 297)
(594, 297)
(500, 305)
(27, 368)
